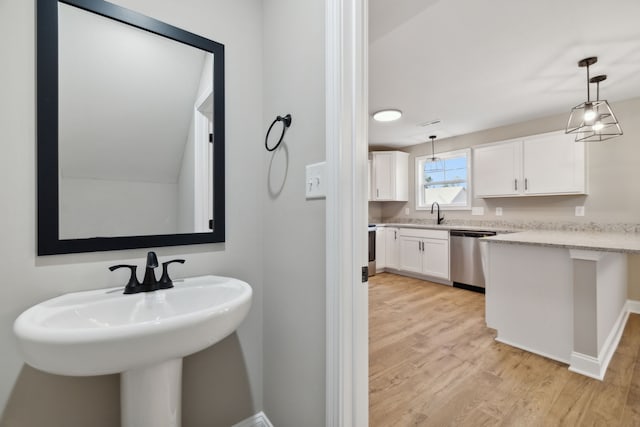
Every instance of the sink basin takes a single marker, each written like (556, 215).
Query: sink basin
(143, 336)
(105, 332)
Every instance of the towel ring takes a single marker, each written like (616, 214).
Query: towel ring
(286, 122)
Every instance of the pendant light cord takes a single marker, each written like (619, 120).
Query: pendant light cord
(588, 81)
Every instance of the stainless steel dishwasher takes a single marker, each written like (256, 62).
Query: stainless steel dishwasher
(466, 263)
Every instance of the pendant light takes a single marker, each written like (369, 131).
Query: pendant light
(605, 125)
(433, 154)
(593, 120)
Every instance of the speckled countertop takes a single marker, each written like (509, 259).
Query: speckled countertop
(586, 240)
(618, 237)
(497, 229)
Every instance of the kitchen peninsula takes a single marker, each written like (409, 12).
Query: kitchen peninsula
(560, 294)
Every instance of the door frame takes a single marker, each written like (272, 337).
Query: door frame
(347, 358)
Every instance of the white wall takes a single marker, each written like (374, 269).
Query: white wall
(223, 384)
(612, 173)
(294, 230)
(102, 208)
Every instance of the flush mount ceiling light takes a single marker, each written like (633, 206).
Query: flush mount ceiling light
(387, 115)
(593, 120)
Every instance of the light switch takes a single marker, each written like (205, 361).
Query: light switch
(579, 210)
(498, 211)
(315, 181)
(406, 211)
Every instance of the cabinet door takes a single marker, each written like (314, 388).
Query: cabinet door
(370, 198)
(381, 258)
(392, 247)
(383, 174)
(410, 254)
(497, 169)
(554, 164)
(436, 258)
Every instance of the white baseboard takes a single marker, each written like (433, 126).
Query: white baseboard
(257, 420)
(597, 367)
(530, 350)
(586, 365)
(633, 306)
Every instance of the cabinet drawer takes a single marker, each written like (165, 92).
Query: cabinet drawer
(428, 234)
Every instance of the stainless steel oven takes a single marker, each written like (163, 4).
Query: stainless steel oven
(372, 250)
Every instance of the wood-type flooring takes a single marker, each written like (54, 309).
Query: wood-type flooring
(433, 362)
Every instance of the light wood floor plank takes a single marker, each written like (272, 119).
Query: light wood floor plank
(433, 362)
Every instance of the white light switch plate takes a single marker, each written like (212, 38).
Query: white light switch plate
(579, 210)
(406, 211)
(478, 210)
(498, 211)
(315, 184)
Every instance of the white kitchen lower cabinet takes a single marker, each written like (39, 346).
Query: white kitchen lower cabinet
(424, 252)
(411, 254)
(392, 247)
(381, 252)
(436, 258)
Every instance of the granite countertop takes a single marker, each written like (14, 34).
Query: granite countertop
(585, 240)
(451, 227)
(586, 236)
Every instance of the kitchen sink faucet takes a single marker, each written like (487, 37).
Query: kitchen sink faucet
(440, 218)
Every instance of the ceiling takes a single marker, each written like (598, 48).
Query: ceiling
(480, 64)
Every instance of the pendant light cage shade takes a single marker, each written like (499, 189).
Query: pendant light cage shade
(602, 127)
(593, 120)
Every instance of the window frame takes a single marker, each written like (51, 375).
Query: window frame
(445, 155)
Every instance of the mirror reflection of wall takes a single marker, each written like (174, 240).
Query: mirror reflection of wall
(134, 152)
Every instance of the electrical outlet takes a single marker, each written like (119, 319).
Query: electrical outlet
(498, 211)
(406, 211)
(579, 210)
(478, 210)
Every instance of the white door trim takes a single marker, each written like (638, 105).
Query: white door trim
(202, 160)
(346, 213)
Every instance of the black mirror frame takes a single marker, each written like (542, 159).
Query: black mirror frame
(49, 242)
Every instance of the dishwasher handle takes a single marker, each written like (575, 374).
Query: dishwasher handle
(472, 234)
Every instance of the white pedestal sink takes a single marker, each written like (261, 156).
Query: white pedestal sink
(143, 336)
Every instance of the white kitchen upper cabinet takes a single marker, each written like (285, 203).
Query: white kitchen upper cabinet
(392, 247)
(545, 164)
(554, 164)
(389, 176)
(381, 252)
(497, 169)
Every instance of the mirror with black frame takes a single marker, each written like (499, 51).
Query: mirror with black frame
(130, 131)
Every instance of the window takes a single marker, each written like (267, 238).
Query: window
(445, 180)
